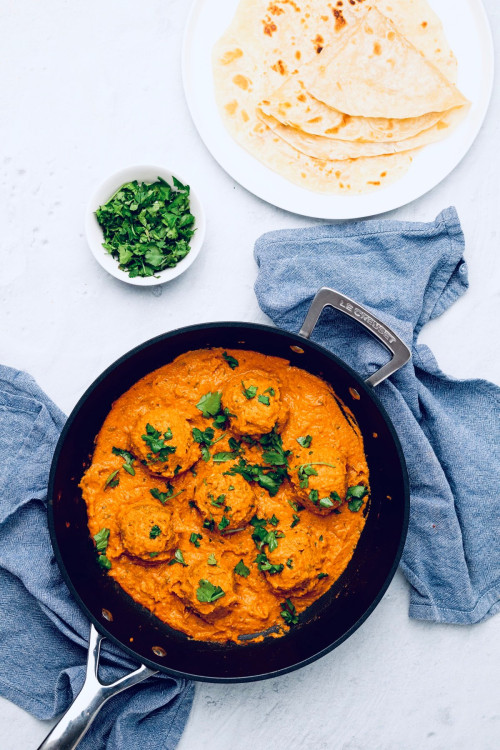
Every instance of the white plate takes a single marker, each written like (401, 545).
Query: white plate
(95, 236)
(468, 32)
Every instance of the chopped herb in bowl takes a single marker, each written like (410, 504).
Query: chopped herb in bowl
(145, 225)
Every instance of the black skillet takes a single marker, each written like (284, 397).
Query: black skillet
(323, 626)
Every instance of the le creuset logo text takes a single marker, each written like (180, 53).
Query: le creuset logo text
(355, 312)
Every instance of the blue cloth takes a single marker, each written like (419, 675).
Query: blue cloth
(407, 274)
(43, 634)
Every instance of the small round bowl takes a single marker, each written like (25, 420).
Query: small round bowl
(95, 237)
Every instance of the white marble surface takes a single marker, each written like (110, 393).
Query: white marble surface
(87, 88)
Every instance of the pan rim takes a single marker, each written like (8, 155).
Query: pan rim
(304, 343)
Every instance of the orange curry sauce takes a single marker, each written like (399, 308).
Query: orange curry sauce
(180, 524)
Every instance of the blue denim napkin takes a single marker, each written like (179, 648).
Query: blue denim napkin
(43, 634)
(407, 274)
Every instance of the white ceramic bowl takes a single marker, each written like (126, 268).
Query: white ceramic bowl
(95, 237)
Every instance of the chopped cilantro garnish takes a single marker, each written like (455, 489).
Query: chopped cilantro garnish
(101, 540)
(127, 457)
(194, 539)
(264, 400)
(322, 575)
(289, 613)
(289, 563)
(147, 227)
(305, 442)
(209, 404)
(209, 524)
(296, 519)
(325, 502)
(264, 565)
(273, 520)
(155, 531)
(111, 481)
(223, 523)
(307, 470)
(207, 592)
(157, 444)
(164, 496)
(241, 569)
(104, 562)
(355, 497)
(211, 559)
(232, 362)
(249, 392)
(271, 391)
(178, 558)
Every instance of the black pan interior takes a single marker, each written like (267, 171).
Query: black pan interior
(324, 625)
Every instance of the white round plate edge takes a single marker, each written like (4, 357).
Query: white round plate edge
(276, 190)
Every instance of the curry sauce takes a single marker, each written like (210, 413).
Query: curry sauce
(227, 493)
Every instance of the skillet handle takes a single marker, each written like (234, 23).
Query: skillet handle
(330, 298)
(73, 725)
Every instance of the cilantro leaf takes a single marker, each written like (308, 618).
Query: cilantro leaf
(111, 481)
(305, 442)
(232, 362)
(101, 540)
(194, 539)
(296, 519)
(164, 496)
(207, 592)
(178, 558)
(128, 458)
(241, 569)
(264, 400)
(104, 562)
(211, 559)
(155, 531)
(355, 497)
(209, 404)
(289, 613)
(249, 392)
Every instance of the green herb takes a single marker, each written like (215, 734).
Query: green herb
(207, 592)
(242, 570)
(154, 554)
(177, 469)
(159, 450)
(155, 531)
(264, 400)
(111, 481)
(273, 452)
(322, 575)
(261, 536)
(288, 612)
(273, 520)
(305, 442)
(321, 537)
(211, 559)
(223, 523)
(219, 502)
(314, 496)
(164, 496)
(209, 523)
(194, 539)
(355, 497)
(128, 458)
(232, 362)
(296, 519)
(289, 563)
(265, 477)
(101, 544)
(336, 498)
(249, 392)
(325, 502)
(178, 558)
(222, 418)
(104, 562)
(306, 470)
(147, 227)
(265, 566)
(101, 540)
(271, 391)
(209, 404)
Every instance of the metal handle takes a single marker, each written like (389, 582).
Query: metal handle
(330, 298)
(74, 724)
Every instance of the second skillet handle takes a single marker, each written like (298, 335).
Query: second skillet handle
(74, 724)
(330, 298)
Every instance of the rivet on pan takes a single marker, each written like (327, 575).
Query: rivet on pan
(297, 349)
(354, 394)
(107, 615)
(159, 651)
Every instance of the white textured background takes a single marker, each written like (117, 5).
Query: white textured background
(87, 88)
